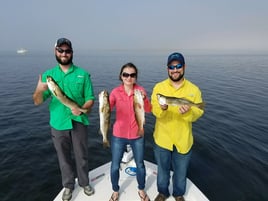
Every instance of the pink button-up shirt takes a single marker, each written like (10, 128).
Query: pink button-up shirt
(125, 125)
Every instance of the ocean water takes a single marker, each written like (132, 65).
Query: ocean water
(230, 152)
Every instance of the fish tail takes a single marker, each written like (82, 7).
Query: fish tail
(141, 132)
(106, 144)
(201, 105)
(83, 110)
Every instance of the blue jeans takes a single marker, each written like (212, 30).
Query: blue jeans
(171, 161)
(118, 147)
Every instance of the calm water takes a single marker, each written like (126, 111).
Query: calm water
(230, 157)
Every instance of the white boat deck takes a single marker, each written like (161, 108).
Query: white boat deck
(100, 181)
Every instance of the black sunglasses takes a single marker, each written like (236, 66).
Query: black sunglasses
(67, 51)
(178, 66)
(132, 75)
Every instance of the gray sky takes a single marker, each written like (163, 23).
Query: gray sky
(140, 24)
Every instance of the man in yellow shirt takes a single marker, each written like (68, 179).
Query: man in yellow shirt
(173, 128)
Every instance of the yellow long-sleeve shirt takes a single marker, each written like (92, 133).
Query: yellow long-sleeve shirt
(172, 127)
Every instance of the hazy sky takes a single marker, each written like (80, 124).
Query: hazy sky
(140, 24)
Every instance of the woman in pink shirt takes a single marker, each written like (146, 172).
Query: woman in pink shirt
(126, 130)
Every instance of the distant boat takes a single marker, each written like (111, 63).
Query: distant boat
(22, 51)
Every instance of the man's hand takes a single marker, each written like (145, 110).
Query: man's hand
(40, 88)
(184, 108)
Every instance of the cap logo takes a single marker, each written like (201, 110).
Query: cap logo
(62, 41)
(176, 57)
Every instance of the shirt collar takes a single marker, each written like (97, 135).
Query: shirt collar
(122, 90)
(71, 69)
(170, 81)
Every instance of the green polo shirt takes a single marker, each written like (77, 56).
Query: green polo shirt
(77, 85)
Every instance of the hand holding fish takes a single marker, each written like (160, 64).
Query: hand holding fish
(175, 101)
(143, 95)
(184, 108)
(65, 100)
(164, 107)
(76, 111)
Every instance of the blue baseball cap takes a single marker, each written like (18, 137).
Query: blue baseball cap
(176, 57)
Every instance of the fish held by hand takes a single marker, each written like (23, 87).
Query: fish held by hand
(168, 100)
(139, 111)
(104, 114)
(60, 95)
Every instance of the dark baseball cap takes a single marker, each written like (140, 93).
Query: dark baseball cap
(63, 41)
(176, 57)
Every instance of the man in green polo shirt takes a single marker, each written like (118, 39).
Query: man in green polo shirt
(68, 126)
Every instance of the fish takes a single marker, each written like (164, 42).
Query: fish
(168, 100)
(139, 111)
(60, 95)
(105, 115)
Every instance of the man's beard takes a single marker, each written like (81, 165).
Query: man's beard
(67, 62)
(176, 79)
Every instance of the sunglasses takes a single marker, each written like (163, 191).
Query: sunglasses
(67, 51)
(132, 75)
(178, 66)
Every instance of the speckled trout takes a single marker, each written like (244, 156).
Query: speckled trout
(139, 111)
(60, 95)
(168, 100)
(104, 114)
